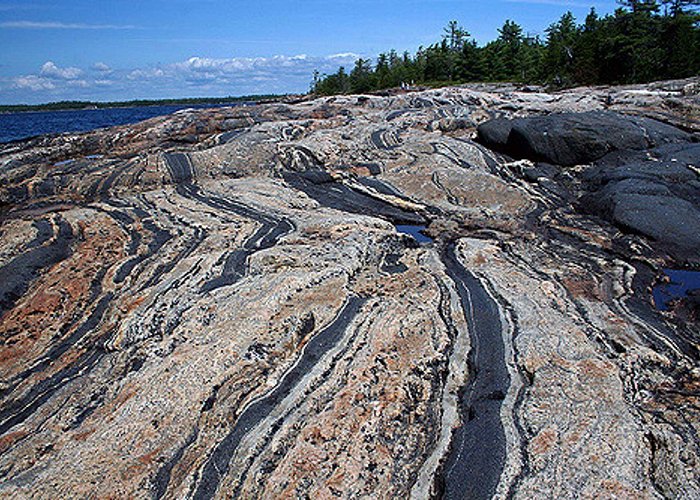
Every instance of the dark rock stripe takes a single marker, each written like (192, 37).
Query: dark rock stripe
(44, 233)
(58, 349)
(341, 197)
(218, 464)
(19, 411)
(235, 267)
(162, 479)
(350, 349)
(231, 136)
(180, 167)
(17, 275)
(101, 187)
(385, 139)
(478, 448)
(159, 237)
(270, 231)
(162, 269)
(234, 270)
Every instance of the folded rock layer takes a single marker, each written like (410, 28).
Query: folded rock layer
(218, 303)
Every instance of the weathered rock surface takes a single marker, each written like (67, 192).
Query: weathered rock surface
(644, 177)
(576, 138)
(218, 304)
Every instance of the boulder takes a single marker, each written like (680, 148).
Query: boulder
(671, 165)
(569, 139)
(655, 193)
(666, 219)
(680, 154)
(494, 133)
(540, 171)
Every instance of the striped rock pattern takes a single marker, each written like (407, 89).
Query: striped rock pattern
(218, 304)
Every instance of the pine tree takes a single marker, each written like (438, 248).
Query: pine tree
(382, 72)
(560, 54)
(586, 68)
(471, 66)
(508, 51)
(639, 42)
(361, 78)
(679, 41)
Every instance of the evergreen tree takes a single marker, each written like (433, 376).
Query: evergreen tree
(675, 7)
(560, 54)
(471, 66)
(640, 6)
(454, 41)
(382, 72)
(456, 36)
(586, 68)
(362, 78)
(438, 62)
(639, 42)
(508, 50)
(680, 39)
(531, 60)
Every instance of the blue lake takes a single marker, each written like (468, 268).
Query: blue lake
(416, 232)
(681, 282)
(15, 126)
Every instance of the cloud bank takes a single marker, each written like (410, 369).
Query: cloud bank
(35, 25)
(196, 77)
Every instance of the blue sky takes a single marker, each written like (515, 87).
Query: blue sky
(127, 49)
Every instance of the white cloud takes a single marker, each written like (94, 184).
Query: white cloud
(33, 82)
(101, 67)
(83, 84)
(235, 64)
(51, 25)
(257, 68)
(195, 76)
(145, 74)
(50, 70)
(345, 55)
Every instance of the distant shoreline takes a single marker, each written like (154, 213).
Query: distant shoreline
(88, 105)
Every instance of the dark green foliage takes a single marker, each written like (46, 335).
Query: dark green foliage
(337, 83)
(558, 61)
(643, 40)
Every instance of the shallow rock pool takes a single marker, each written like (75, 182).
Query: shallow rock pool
(679, 283)
(416, 232)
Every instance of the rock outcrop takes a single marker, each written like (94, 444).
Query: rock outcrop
(218, 304)
(643, 177)
(576, 138)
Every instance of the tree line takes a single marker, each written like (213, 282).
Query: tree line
(187, 101)
(642, 41)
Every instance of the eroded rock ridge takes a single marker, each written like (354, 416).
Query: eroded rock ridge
(218, 304)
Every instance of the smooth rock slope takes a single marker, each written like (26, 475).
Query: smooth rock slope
(218, 304)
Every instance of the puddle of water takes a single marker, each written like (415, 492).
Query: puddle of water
(416, 232)
(681, 282)
(62, 163)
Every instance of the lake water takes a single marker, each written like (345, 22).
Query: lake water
(416, 232)
(15, 126)
(680, 283)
